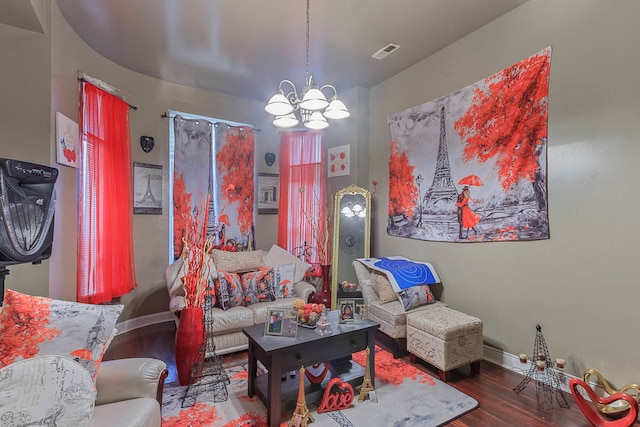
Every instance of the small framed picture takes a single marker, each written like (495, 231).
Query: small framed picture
(347, 313)
(268, 190)
(290, 325)
(359, 309)
(147, 189)
(275, 321)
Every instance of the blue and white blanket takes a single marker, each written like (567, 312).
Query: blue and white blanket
(402, 272)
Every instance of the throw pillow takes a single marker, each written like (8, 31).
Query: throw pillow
(416, 296)
(385, 290)
(228, 290)
(238, 262)
(46, 390)
(284, 280)
(257, 286)
(374, 283)
(35, 326)
(279, 256)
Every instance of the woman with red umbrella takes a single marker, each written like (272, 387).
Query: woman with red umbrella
(466, 217)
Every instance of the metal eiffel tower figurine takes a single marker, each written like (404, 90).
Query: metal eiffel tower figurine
(545, 377)
(301, 416)
(207, 375)
(367, 385)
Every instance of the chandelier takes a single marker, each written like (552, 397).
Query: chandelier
(313, 109)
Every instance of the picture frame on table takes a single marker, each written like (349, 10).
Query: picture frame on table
(275, 321)
(359, 309)
(347, 310)
(290, 325)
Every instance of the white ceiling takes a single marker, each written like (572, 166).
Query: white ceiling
(246, 47)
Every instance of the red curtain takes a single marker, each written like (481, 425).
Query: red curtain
(302, 216)
(105, 238)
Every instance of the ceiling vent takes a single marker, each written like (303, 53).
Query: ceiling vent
(391, 47)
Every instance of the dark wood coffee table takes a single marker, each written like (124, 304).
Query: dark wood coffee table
(280, 355)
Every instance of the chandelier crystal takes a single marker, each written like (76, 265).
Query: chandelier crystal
(313, 109)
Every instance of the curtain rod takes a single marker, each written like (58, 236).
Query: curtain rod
(107, 88)
(166, 115)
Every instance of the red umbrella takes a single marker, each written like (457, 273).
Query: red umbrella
(471, 180)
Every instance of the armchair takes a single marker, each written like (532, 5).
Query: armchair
(57, 390)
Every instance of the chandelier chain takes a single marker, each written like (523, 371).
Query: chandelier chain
(307, 47)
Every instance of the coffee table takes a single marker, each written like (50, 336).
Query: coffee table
(281, 354)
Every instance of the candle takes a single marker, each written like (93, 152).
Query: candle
(540, 364)
(541, 356)
(560, 363)
(523, 358)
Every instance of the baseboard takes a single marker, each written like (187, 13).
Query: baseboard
(142, 321)
(512, 362)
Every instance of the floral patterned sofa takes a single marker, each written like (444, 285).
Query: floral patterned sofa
(237, 304)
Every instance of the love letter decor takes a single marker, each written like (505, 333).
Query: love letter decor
(337, 395)
(472, 166)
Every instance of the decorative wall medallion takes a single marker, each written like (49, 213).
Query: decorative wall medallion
(270, 158)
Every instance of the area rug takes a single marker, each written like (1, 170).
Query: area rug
(407, 397)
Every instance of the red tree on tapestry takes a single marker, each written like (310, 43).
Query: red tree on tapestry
(508, 120)
(235, 166)
(402, 192)
(480, 157)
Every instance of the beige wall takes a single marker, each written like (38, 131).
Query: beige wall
(25, 98)
(580, 285)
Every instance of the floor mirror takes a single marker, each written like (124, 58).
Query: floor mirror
(351, 229)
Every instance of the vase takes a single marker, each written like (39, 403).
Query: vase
(324, 296)
(188, 341)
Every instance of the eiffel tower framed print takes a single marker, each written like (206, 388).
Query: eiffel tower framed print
(147, 189)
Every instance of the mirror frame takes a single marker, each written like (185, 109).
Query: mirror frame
(350, 190)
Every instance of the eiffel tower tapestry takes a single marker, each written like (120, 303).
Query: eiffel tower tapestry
(472, 166)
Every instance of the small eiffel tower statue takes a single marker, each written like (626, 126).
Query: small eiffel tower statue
(546, 380)
(301, 416)
(207, 375)
(367, 385)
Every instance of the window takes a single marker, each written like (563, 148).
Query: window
(302, 220)
(105, 234)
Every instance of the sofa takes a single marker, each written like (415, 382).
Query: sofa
(230, 319)
(52, 373)
(385, 308)
(128, 392)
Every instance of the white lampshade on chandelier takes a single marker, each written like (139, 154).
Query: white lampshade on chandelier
(313, 109)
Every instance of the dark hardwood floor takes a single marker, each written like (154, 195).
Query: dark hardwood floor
(499, 405)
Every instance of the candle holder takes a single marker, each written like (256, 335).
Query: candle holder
(560, 363)
(546, 379)
(523, 358)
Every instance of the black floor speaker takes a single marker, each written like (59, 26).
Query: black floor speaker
(27, 201)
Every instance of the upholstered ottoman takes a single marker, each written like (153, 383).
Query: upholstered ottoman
(445, 338)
